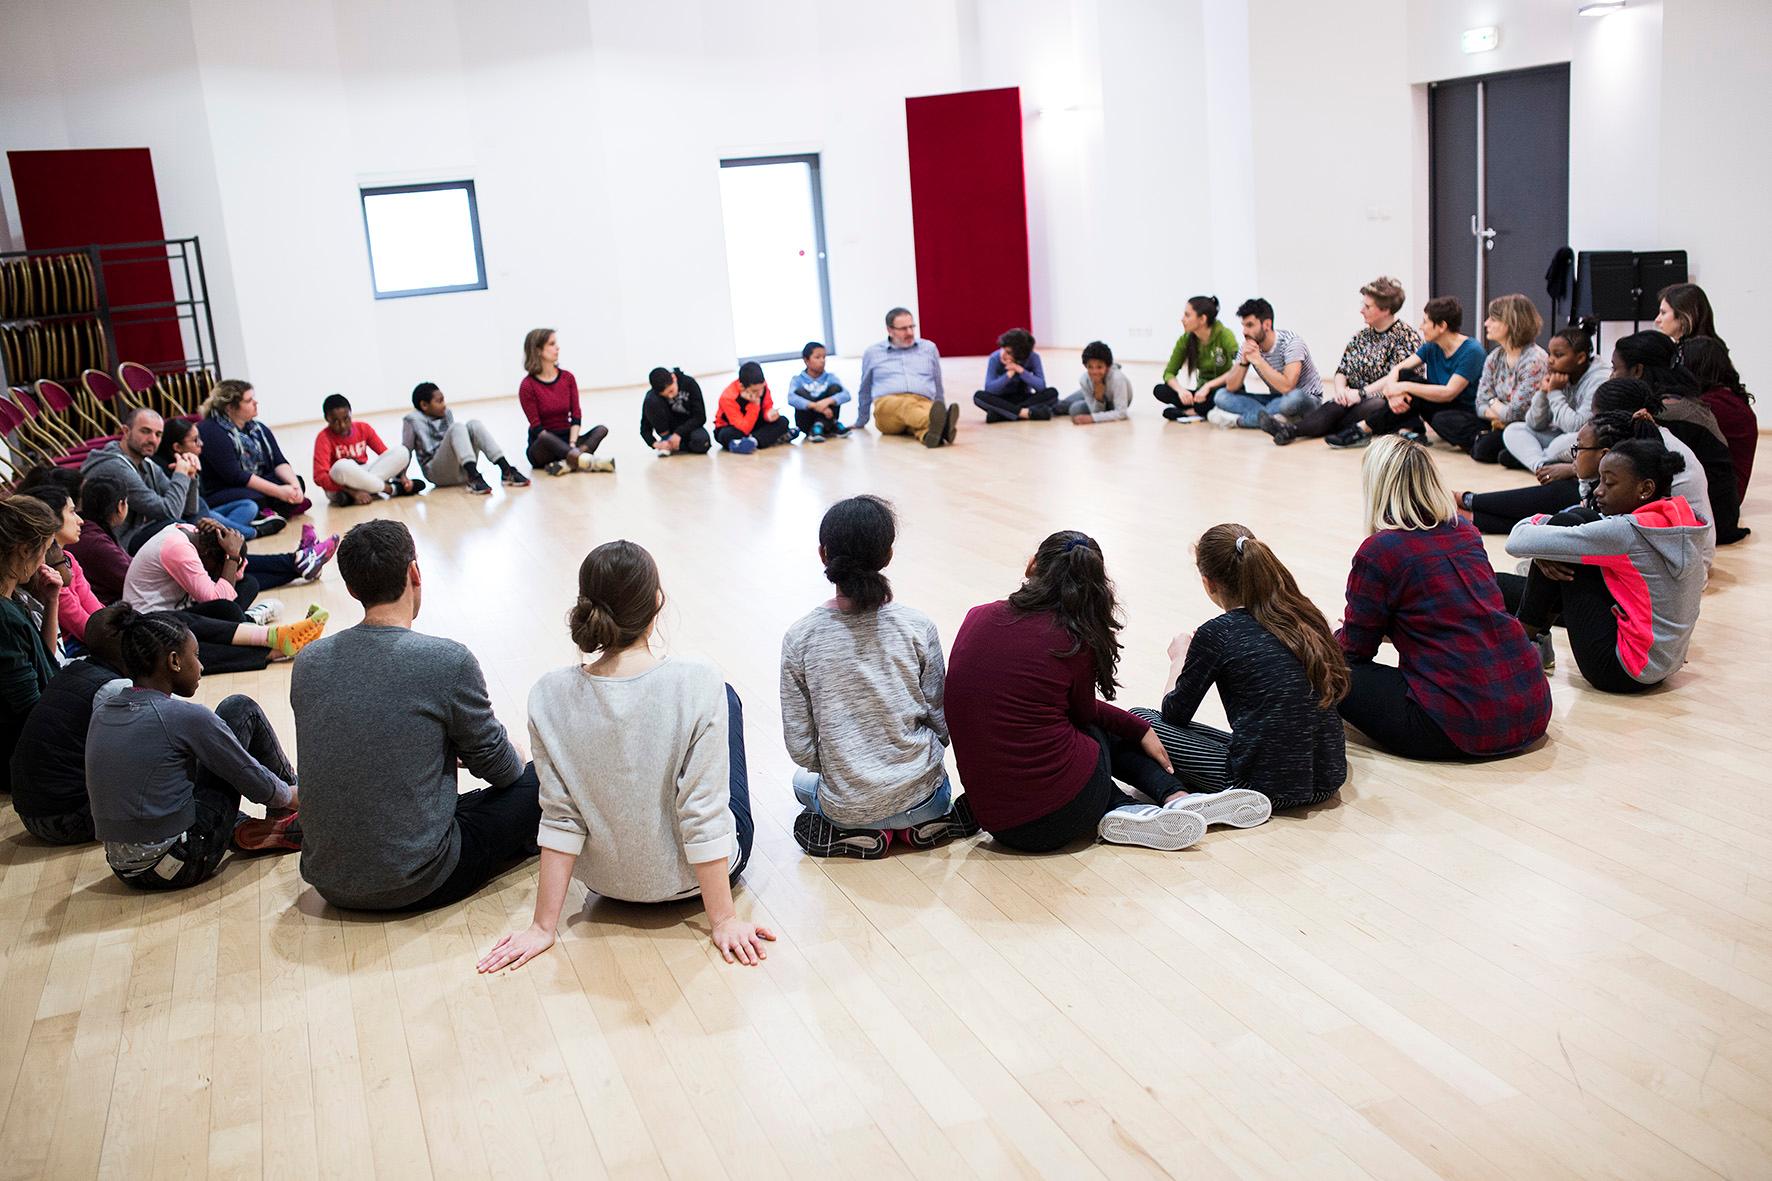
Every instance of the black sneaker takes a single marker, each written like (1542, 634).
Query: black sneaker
(1284, 433)
(1353, 436)
(955, 825)
(951, 429)
(820, 838)
(510, 477)
(1172, 413)
(478, 486)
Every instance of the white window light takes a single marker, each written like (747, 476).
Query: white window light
(423, 239)
(1600, 8)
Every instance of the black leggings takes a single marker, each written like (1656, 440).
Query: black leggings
(1008, 407)
(1379, 706)
(1499, 512)
(1331, 417)
(767, 434)
(214, 623)
(1584, 607)
(1117, 758)
(1487, 447)
(547, 446)
(1165, 393)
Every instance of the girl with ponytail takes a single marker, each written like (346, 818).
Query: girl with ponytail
(1280, 674)
(1038, 750)
(165, 775)
(644, 795)
(861, 703)
(1200, 363)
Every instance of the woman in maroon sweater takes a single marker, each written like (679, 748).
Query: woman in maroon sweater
(549, 397)
(1038, 752)
(1708, 359)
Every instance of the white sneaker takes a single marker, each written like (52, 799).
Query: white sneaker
(1152, 827)
(1222, 419)
(265, 611)
(1238, 807)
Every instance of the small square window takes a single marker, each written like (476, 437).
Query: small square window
(424, 239)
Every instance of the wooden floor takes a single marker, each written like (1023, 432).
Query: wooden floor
(1554, 966)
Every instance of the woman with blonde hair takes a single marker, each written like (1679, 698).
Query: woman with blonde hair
(241, 457)
(1511, 372)
(549, 397)
(1468, 682)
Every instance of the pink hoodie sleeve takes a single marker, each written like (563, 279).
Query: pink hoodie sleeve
(179, 555)
(76, 602)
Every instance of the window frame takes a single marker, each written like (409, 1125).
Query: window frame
(364, 192)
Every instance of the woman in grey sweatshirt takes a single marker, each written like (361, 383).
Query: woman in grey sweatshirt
(641, 760)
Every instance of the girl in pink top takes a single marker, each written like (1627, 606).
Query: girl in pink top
(549, 397)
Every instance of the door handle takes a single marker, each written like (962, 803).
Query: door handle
(1487, 234)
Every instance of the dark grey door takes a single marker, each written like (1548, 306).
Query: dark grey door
(1500, 186)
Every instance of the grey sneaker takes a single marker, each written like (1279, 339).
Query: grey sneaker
(1152, 827)
(1238, 807)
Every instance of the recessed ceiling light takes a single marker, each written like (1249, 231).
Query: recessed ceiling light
(1600, 8)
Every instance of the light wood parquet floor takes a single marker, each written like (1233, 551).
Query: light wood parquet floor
(1558, 965)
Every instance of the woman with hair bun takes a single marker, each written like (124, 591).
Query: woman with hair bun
(1199, 364)
(861, 693)
(644, 795)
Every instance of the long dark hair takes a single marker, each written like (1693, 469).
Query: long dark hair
(1207, 306)
(1688, 302)
(1253, 575)
(1708, 359)
(856, 536)
(1069, 579)
(618, 597)
(176, 431)
(99, 497)
(1658, 356)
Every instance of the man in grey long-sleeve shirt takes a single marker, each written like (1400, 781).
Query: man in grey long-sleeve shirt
(155, 495)
(383, 714)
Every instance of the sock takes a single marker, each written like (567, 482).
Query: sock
(290, 638)
(504, 466)
(317, 612)
(472, 470)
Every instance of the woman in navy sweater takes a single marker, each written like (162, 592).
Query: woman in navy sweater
(241, 457)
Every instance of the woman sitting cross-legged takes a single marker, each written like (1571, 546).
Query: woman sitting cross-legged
(1038, 752)
(241, 458)
(861, 695)
(644, 794)
(165, 775)
(1467, 682)
(549, 397)
(1624, 578)
(1279, 672)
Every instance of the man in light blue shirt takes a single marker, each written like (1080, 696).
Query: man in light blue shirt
(901, 386)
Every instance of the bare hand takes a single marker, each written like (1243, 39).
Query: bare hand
(1249, 352)
(1550, 473)
(1082, 419)
(513, 951)
(288, 494)
(1399, 403)
(45, 585)
(233, 543)
(1555, 571)
(1153, 746)
(186, 464)
(1179, 645)
(742, 941)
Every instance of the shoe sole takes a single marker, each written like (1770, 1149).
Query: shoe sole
(935, 434)
(951, 429)
(933, 834)
(1238, 807)
(861, 846)
(1170, 831)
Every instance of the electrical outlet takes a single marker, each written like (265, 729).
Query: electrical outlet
(1139, 333)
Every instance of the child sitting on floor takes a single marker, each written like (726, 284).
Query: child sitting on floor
(747, 418)
(352, 464)
(815, 394)
(1104, 394)
(1279, 672)
(861, 689)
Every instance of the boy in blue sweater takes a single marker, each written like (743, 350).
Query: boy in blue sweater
(815, 394)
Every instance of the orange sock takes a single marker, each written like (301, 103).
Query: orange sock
(290, 638)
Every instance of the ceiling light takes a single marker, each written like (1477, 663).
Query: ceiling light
(1600, 8)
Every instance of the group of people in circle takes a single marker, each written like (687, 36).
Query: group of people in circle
(123, 583)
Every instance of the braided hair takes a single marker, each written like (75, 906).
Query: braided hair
(146, 640)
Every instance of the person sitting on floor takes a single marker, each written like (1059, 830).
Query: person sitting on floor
(75, 601)
(906, 373)
(1624, 579)
(549, 397)
(1282, 360)
(1467, 682)
(1437, 387)
(1199, 364)
(746, 418)
(181, 441)
(1678, 404)
(156, 495)
(861, 691)
(1103, 394)
(351, 463)
(383, 717)
(27, 530)
(1374, 350)
(49, 763)
(1279, 672)
(1015, 382)
(673, 417)
(816, 396)
(1684, 312)
(644, 792)
(1038, 752)
(1511, 373)
(1539, 442)
(241, 458)
(164, 775)
(1728, 401)
(447, 450)
(103, 509)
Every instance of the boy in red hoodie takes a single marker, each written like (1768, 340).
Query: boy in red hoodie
(351, 462)
(746, 418)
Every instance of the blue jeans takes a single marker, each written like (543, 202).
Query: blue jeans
(236, 514)
(1248, 407)
(939, 804)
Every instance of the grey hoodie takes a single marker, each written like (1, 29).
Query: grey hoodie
(1119, 392)
(155, 495)
(1653, 564)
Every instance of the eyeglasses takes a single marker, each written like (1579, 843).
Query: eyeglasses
(1578, 450)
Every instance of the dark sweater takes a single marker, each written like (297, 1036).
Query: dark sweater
(1284, 744)
(1719, 473)
(1017, 710)
(25, 670)
(661, 417)
(49, 764)
(104, 562)
(143, 750)
(222, 468)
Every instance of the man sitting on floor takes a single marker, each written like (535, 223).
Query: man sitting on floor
(901, 385)
(383, 715)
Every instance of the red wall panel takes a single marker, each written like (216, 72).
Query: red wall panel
(969, 217)
(102, 196)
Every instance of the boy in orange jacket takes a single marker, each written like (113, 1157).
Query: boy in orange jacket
(746, 418)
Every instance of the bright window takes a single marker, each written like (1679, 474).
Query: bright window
(424, 239)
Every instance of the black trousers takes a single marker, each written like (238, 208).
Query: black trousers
(1457, 426)
(1118, 758)
(1585, 609)
(199, 852)
(1486, 447)
(807, 419)
(1379, 706)
(1007, 406)
(213, 624)
(1165, 393)
(767, 434)
(498, 827)
(547, 446)
(67, 828)
(1499, 512)
(1331, 417)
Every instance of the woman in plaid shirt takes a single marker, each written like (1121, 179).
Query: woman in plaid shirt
(1468, 682)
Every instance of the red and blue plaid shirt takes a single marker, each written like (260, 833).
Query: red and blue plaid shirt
(1465, 660)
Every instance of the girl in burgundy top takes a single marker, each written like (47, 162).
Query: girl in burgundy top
(1037, 751)
(549, 397)
(1708, 359)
